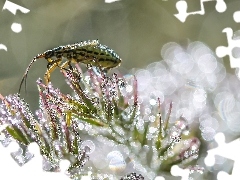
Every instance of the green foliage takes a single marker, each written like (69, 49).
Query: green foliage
(114, 113)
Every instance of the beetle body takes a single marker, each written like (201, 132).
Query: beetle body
(87, 52)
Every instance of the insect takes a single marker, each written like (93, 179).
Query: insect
(87, 52)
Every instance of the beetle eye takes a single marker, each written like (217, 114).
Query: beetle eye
(49, 53)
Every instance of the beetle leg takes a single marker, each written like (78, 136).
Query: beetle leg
(73, 71)
(65, 64)
(50, 68)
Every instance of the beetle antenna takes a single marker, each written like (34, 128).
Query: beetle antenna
(24, 78)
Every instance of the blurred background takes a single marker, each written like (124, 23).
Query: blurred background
(136, 29)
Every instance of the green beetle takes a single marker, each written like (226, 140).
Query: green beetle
(87, 52)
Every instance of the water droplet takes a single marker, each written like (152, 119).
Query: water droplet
(129, 88)
(170, 153)
(116, 161)
(182, 124)
(121, 83)
(95, 101)
(153, 102)
(88, 144)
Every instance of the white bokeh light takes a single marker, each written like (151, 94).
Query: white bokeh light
(16, 27)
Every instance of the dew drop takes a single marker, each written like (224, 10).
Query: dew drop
(121, 83)
(116, 161)
(88, 145)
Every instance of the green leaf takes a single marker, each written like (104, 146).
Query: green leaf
(91, 121)
(17, 134)
(144, 139)
(26, 122)
(116, 109)
(75, 145)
